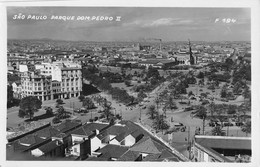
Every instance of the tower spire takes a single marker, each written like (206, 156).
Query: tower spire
(191, 56)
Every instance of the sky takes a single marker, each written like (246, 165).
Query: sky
(136, 23)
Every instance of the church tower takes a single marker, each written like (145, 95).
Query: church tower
(192, 61)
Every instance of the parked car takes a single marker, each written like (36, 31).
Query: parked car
(144, 107)
(177, 124)
(239, 123)
(227, 124)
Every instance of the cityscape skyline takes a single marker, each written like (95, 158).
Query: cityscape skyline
(198, 24)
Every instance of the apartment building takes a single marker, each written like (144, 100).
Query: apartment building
(35, 84)
(67, 73)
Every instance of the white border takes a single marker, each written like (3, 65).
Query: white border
(255, 45)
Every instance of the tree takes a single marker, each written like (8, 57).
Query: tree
(81, 98)
(157, 102)
(107, 109)
(200, 75)
(28, 106)
(152, 113)
(202, 114)
(201, 82)
(153, 73)
(246, 127)
(160, 123)
(170, 104)
(237, 88)
(56, 120)
(244, 108)
(88, 103)
(246, 93)
(223, 92)
(62, 114)
(127, 83)
(10, 96)
(190, 93)
(232, 109)
(141, 95)
(217, 131)
(59, 101)
(49, 111)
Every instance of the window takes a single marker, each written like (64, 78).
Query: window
(39, 88)
(75, 150)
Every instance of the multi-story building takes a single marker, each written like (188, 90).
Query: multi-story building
(67, 73)
(221, 149)
(52, 80)
(35, 84)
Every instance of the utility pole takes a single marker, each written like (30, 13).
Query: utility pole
(189, 143)
(140, 115)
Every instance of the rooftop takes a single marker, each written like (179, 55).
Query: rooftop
(87, 129)
(224, 142)
(49, 146)
(112, 151)
(67, 126)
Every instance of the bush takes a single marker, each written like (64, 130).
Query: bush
(49, 111)
(81, 97)
(56, 120)
(96, 118)
(59, 101)
(118, 116)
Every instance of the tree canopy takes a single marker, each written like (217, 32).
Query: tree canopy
(28, 106)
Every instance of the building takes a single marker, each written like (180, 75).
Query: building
(17, 90)
(221, 149)
(35, 84)
(69, 75)
(15, 62)
(125, 141)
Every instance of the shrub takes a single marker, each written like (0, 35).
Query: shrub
(56, 120)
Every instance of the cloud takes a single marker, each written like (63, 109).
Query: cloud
(159, 22)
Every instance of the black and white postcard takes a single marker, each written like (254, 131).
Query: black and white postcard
(123, 82)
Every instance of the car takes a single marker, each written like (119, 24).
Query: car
(177, 124)
(239, 123)
(144, 107)
(227, 124)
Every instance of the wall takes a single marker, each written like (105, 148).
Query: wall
(75, 150)
(95, 144)
(129, 140)
(114, 141)
(36, 152)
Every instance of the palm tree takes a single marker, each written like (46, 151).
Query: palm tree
(152, 113)
(62, 113)
(157, 101)
(202, 114)
(87, 103)
(160, 123)
(107, 109)
(212, 108)
(246, 128)
(217, 131)
(170, 104)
